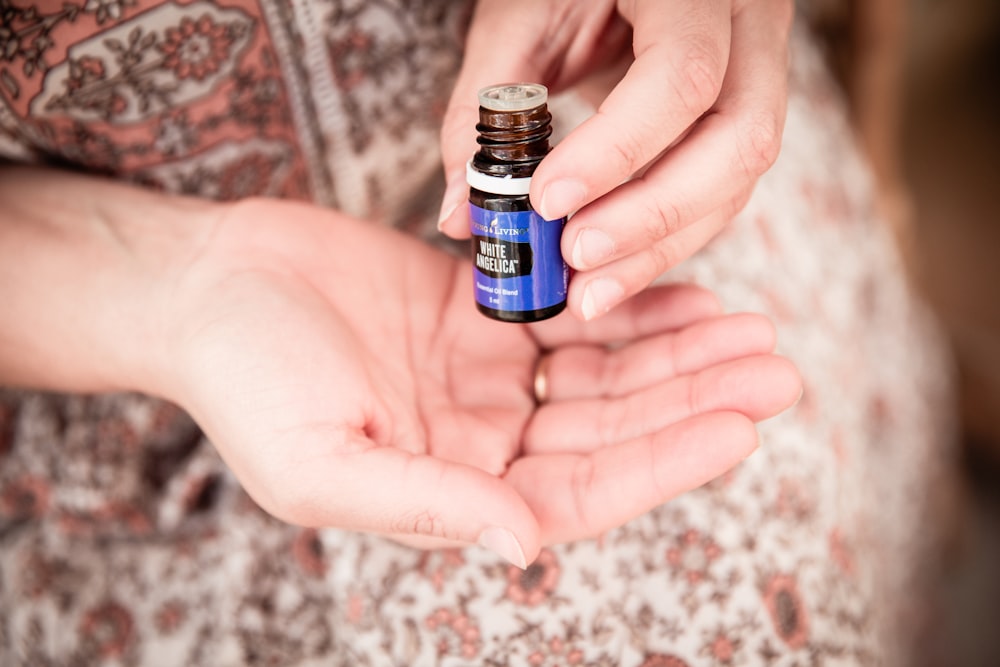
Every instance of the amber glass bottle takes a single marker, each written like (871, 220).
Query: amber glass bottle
(520, 275)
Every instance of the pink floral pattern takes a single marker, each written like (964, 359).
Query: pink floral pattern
(195, 49)
(788, 614)
(90, 84)
(108, 628)
(693, 556)
(124, 540)
(534, 585)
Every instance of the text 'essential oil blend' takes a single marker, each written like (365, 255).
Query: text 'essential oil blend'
(520, 275)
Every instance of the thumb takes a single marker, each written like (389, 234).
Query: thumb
(406, 496)
(499, 49)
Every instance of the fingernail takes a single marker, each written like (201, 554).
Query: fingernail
(561, 198)
(454, 195)
(445, 214)
(599, 296)
(503, 543)
(592, 247)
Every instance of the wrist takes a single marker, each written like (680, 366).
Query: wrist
(85, 269)
(160, 237)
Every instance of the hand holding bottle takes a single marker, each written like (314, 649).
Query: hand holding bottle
(694, 122)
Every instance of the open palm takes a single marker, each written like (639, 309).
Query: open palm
(344, 374)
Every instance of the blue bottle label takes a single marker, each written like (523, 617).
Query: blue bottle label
(519, 265)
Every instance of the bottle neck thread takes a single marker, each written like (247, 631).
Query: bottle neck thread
(512, 143)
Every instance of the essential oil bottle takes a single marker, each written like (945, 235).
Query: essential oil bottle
(520, 275)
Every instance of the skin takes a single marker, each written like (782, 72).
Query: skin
(691, 98)
(344, 375)
(341, 370)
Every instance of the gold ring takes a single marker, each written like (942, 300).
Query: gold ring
(541, 384)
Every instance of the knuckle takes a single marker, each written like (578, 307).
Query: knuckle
(660, 219)
(422, 522)
(611, 370)
(694, 395)
(629, 148)
(699, 75)
(660, 257)
(609, 422)
(758, 143)
(581, 483)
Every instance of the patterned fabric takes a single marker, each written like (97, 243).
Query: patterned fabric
(124, 540)
(329, 101)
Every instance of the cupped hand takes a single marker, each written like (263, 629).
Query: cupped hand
(673, 151)
(345, 376)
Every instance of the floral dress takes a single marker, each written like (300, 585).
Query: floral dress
(124, 540)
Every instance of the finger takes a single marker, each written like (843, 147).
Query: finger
(485, 436)
(575, 496)
(722, 157)
(594, 293)
(681, 50)
(662, 308)
(482, 65)
(757, 387)
(553, 43)
(398, 494)
(588, 371)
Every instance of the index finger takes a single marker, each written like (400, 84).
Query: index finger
(681, 53)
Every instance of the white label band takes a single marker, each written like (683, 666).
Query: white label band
(497, 185)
